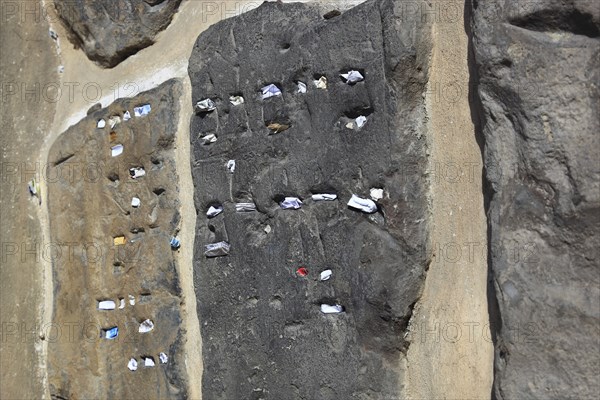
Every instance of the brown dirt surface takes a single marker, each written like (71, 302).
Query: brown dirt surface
(451, 352)
(28, 71)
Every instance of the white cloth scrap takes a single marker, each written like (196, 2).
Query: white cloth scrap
(291, 203)
(163, 358)
(101, 123)
(142, 110)
(321, 83)
(236, 100)
(352, 77)
(121, 304)
(32, 185)
(114, 121)
(208, 139)
(214, 211)
(132, 364)
(270, 91)
(205, 106)
(376, 194)
(111, 333)
(136, 172)
(231, 166)
(216, 249)
(131, 300)
(360, 121)
(335, 309)
(245, 207)
(301, 87)
(135, 202)
(325, 275)
(364, 205)
(324, 196)
(106, 305)
(116, 150)
(146, 326)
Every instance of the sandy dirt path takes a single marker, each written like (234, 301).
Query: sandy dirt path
(27, 65)
(187, 234)
(451, 355)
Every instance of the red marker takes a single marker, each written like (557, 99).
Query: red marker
(302, 271)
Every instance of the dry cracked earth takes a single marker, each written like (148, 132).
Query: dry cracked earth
(319, 200)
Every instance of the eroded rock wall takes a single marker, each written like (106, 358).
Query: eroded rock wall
(538, 87)
(109, 31)
(90, 195)
(264, 335)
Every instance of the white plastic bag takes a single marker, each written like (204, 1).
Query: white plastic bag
(216, 249)
(106, 305)
(301, 87)
(291, 203)
(324, 197)
(365, 205)
(236, 100)
(205, 106)
(376, 194)
(352, 77)
(321, 83)
(335, 309)
(270, 91)
(116, 150)
(132, 364)
(163, 358)
(325, 275)
(231, 166)
(136, 172)
(214, 211)
(208, 139)
(142, 110)
(245, 207)
(146, 326)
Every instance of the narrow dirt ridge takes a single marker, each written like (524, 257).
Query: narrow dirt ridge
(451, 353)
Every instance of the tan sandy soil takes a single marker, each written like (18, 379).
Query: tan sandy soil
(451, 352)
(27, 57)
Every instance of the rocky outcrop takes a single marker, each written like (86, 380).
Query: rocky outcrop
(109, 31)
(538, 87)
(90, 193)
(264, 335)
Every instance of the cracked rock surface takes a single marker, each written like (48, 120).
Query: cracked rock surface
(109, 31)
(538, 88)
(264, 335)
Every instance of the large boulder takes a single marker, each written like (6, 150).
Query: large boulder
(263, 332)
(90, 196)
(109, 31)
(538, 89)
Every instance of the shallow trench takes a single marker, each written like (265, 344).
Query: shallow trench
(451, 354)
